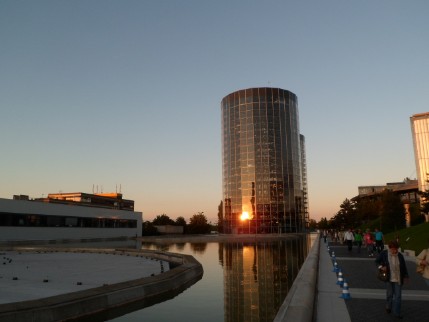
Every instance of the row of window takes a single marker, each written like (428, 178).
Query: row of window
(36, 220)
(275, 95)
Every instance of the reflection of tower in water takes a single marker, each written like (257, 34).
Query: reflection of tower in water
(258, 276)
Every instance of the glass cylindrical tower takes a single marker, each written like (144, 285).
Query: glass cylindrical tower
(262, 162)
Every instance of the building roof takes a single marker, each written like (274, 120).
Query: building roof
(111, 200)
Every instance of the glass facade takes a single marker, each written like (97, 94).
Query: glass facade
(38, 220)
(263, 165)
(304, 180)
(420, 133)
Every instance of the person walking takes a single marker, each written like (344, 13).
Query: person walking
(369, 242)
(336, 236)
(341, 236)
(393, 262)
(325, 235)
(349, 238)
(358, 239)
(422, 262)
(379, 240)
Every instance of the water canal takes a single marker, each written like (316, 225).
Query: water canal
(243, 281)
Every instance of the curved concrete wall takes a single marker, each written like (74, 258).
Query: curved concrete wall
(299, 302)
(88, 302)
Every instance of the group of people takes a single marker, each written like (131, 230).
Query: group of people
(389, 260)
(372, 241)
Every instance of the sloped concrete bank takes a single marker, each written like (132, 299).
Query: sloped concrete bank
(299, 304)
(83, 305)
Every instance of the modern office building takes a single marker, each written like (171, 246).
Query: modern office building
(69, 216)
(420, 133)
(264, 173)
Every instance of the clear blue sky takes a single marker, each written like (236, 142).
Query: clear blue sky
(127, 93)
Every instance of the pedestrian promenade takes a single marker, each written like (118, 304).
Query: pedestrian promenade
(366, 293)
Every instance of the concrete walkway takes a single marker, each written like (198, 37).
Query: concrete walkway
(367, 293)
(330, 306)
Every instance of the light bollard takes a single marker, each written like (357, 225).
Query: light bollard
(340, 279)
(336, 269)
(346, 293)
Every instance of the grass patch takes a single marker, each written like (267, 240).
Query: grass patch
(413, 238)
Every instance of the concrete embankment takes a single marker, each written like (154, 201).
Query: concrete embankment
(300, 301)
(184, 271)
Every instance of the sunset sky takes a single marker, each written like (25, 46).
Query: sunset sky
(125, 95)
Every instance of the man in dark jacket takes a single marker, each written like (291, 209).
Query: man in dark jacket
(393, 262)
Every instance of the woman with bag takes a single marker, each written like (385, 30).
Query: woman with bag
(393, 264)
(422, 262)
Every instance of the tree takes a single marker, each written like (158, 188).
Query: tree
(346, 216)
(312, 224)
(149, 229)
(368, 210)
(424, 200)
(323, 223)
(416, 215)
(180, 221)
(198, 224)
(162, 220)
(393, 212)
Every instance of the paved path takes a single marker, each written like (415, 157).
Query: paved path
(367, 293)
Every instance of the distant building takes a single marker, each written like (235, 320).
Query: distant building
(69, 216)
(407, 191)
(169, 229)
(263, 162)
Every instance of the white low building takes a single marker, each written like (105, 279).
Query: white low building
(64, 218)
